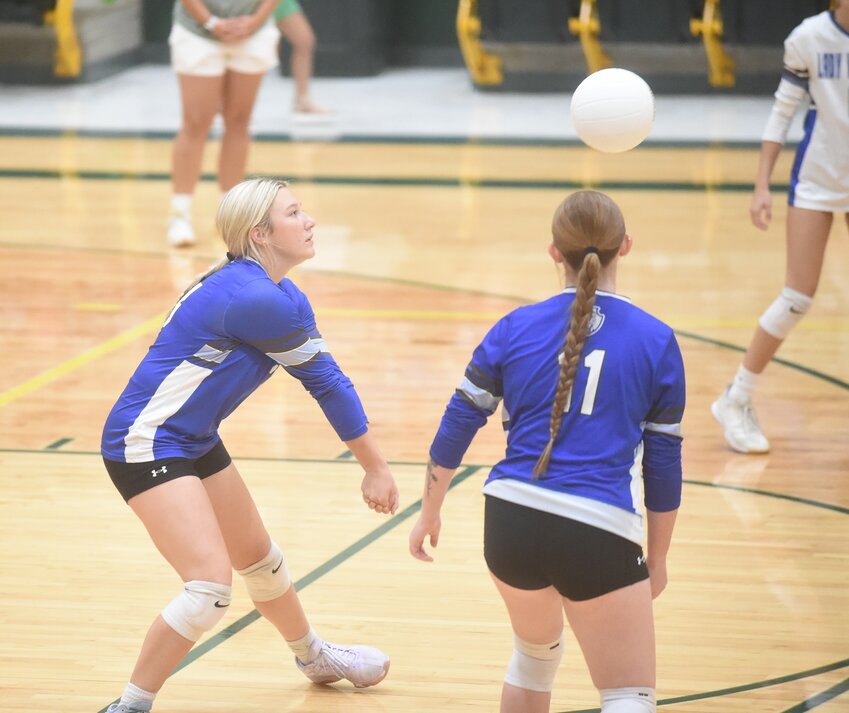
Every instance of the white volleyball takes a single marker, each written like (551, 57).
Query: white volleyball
(613, 110)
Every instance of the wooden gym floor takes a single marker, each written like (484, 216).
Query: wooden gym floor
(421, 247)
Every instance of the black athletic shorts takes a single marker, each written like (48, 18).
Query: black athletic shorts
(533, 549)
(134, 478)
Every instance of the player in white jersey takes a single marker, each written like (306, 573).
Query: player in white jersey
(226, 334)
(816, 66)
(586, 417)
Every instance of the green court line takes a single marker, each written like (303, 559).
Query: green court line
(779, 496)
(91, 175)
(476, 466)
(746, 687)
(824, 697)
(328, 566)
(789, 364)
(59, 443)
(345, 455)
(406, 139)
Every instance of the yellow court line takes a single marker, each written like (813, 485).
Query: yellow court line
(88, 356)
(97, 307)
(828, 325)
(822, 325)
(410, 314)
(118, 341)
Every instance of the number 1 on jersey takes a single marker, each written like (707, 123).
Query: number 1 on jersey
(593, 362)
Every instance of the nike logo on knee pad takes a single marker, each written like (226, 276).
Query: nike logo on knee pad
(279, 565)
(220, 605)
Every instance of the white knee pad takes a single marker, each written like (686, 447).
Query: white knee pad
(628, 700)
(197, 608)
(784, 314)
(269, 578)
(534, 666)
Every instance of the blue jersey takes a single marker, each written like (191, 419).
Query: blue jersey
(624, 412)
(222, 340)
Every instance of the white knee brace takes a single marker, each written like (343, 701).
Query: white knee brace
(534, 666)
(197, 608)
(269, 578)
(628, 700)
(784, 314)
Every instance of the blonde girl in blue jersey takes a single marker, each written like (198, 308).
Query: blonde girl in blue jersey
(563, 527)
(228, 332)
(816, 67)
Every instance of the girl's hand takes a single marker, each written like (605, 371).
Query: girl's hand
(420, 530)
(657, 576)
(380, 491)
(235, 29)
(760, 209)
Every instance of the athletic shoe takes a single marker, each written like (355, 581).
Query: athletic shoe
(362, 665)
(134, 708)
(181, 234)
(742, 430)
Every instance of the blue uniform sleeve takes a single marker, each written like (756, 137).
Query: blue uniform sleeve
(475, 400)
(281, 324)
(662, 437)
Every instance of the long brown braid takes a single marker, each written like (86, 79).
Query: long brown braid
(587, 230)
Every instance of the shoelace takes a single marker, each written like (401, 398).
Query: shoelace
(336, 658)
(750, 419)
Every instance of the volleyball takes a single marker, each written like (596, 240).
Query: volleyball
(613, 110)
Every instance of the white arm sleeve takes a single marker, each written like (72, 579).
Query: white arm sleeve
(792, 89)
(787, 99)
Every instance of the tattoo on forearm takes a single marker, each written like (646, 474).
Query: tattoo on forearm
(430, 476)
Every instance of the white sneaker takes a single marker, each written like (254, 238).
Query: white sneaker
(181, 234)
(135, 708)
(362, 665)
(742, 430)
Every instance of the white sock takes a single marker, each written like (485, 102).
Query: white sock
(743, 386)
(628, 700)
(134, 694)
(182, 203)
(307, 647)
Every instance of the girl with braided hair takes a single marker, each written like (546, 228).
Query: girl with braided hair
(586, 416)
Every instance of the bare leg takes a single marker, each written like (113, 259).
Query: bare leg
(240, 92)
(616, 634)
(807, 237)
(248, 542)
(201, 99)
(299, 33)
(536, 617)
(181, 522)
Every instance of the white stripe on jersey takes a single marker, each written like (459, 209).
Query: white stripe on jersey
(636, 473)
(481, 398)
(591, 512)
(173, 392)
(299, 355)
(208, 353)
(670, 429)
(604, 293)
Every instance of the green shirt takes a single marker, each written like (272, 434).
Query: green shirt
(219, 8)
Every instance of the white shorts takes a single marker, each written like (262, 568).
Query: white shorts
(198, 56)
(819, 179)
(831, 198)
